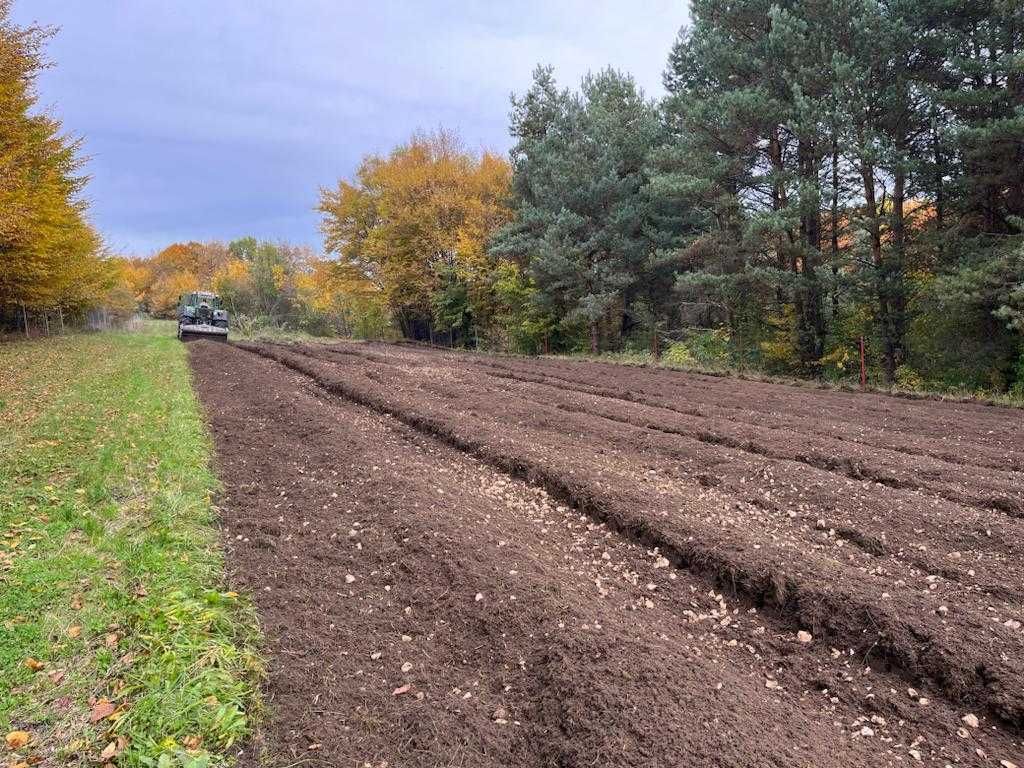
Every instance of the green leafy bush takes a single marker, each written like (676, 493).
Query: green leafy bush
(908, 379)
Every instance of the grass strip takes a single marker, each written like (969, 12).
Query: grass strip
(119, 640)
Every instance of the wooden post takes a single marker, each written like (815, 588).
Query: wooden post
(863, 368)
(655, 348)
(547, 349)
(24, 318)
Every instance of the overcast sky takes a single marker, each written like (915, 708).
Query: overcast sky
(220, 118)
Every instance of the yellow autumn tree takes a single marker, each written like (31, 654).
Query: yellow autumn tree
(342, 297)
(50, 256)
(414, 221)
(180, 268)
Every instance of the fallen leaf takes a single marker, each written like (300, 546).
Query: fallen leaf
(101, 709)
(111, 640)
(109, 751)
(34, 664)
(192, 742)
(17, 739)
(56, 676)
(74, 630)
(76, 602)
(401, 690)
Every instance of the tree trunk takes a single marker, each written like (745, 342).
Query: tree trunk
(594, 338)
(885, 309)
(867, 173)
(835, 227)
(811, 330)
(893, 283)
(779, 197)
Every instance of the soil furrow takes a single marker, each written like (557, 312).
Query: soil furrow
(979, 549)
(976, 452)
(977, 662)
(981, 426)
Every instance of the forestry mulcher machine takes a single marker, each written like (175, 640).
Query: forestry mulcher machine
(200, 315)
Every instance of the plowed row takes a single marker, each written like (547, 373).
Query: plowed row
(614, 564)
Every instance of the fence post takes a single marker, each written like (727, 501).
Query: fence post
(24, 318)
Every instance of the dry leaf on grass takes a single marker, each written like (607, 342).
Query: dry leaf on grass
(17, 739)
(74, 630)
(109, 751)
(34, 664)
(101, 709)
(192, 742)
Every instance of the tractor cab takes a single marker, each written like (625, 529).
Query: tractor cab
(200, 313)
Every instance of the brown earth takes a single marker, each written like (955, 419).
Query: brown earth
(584, 564)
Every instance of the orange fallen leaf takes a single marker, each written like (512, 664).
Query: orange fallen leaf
(111, 640)
(101, 709)
(109, 751)
(74, 630)
(56, 676)
(401, 689)
(76, 602)
(34, 664)
(17, 739)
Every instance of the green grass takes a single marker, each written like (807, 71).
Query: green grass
(110, 569)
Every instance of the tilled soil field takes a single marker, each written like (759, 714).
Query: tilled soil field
(470, 560)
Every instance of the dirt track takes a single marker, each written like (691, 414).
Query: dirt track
(585, 564)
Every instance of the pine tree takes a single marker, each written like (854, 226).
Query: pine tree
(584, 229)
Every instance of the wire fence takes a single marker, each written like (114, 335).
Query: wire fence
(29, 323)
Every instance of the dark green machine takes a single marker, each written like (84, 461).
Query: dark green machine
(200, 315)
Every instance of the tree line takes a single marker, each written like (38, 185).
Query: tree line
(266, 287)
(818, 172)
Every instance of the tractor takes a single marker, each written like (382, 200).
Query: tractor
(200, 315)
